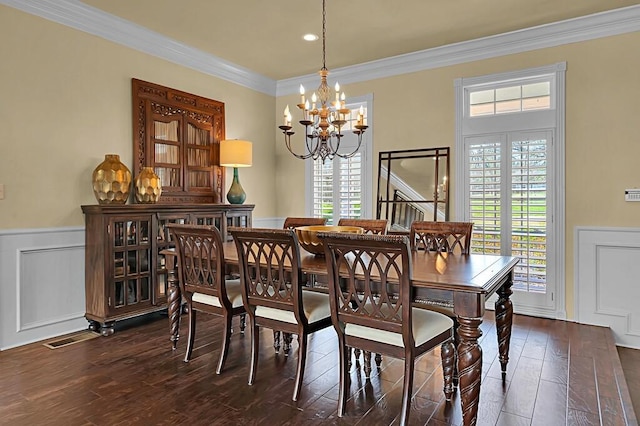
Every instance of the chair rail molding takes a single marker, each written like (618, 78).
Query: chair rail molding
(607, 267)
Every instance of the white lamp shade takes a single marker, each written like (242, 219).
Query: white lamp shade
(235, 153)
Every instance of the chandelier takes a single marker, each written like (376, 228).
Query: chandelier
(323, 121)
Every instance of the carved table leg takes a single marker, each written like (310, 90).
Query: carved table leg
(276, 340)
(356, 353)
(174, 302)
(448, 355)
(378, 359)
(504, 320)
(469, 367)
(367, 364)
(243, 322)
(286, 343)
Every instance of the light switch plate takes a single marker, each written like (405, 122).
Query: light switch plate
(632, 194)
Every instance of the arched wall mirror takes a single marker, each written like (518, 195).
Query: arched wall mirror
(413, 185)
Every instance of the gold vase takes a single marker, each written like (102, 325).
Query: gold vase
(111, 181)
(147, 186)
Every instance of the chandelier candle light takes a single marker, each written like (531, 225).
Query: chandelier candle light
(236, 153)
(324, 122)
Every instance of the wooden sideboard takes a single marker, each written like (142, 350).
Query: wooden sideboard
(125, 273)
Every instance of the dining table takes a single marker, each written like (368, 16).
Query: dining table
(463, 281)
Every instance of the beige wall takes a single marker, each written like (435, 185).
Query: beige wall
(66, 101)
(602, 132)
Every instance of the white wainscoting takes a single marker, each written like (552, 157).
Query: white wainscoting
(607, 281)
(41, 284)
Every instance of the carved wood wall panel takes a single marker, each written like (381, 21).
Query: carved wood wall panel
(179, 134)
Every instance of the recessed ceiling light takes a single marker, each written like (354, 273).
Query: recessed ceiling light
(310, 37)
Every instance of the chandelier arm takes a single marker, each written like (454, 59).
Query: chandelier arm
(287, 140)
(354, 152)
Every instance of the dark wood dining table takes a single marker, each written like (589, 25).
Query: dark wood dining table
(465, 281)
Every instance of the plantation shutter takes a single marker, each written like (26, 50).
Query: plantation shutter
(485, 195)
(337, 183)
(508, 201)
(529, 212)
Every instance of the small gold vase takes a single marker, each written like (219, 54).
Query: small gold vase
(111, 181)
(147, 186)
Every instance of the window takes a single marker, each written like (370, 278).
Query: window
(510, 148)
(501, 100)
(341, 188)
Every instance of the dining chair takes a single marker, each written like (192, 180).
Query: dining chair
(290, 223)
(202, 281)
(272, 292)
(370, 226)
(449, 237)
(444, 237)
(371, 308)
(293, 222)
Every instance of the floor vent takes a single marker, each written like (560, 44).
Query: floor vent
(71, 339)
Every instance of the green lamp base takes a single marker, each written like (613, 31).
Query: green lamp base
(236, 194)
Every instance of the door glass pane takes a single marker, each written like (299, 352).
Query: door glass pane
(143, 255)
(529, 213)
(198, 136)
(165, 131)
(168, 154)
(144, 288)
(485, 196)
(118, 229)
(119, 264)
(132, 237)
(169, 176)
(132, 292)
(199, 179)
(512, 223)
(162, 284)
(132, 264)
(144, 232)
(119, 293)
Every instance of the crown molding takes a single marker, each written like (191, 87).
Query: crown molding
(614, 22)
(80, 16)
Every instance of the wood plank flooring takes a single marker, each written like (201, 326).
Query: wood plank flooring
(559, 373)
(630, 360)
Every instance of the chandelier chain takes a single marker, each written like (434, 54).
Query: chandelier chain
(324, 35)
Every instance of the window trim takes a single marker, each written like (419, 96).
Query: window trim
(558, 71)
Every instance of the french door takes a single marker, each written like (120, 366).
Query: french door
(509, 193)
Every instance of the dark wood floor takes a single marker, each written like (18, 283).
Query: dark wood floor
(630, 360)
(559, 373)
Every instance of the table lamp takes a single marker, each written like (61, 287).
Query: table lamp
(235, 153)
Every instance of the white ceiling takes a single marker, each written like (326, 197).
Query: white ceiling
(266, 36)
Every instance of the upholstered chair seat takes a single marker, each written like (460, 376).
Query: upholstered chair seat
(234, 293)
